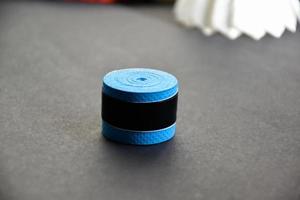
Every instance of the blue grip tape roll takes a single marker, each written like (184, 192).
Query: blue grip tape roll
(139, 106)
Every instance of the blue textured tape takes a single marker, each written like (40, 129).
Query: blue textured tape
(139, 85)
(137, 137)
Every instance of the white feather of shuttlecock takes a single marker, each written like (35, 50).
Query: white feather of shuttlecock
(232, 18)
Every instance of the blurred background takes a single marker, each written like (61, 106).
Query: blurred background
(238, 116)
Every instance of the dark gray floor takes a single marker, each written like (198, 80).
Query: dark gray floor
(238, 131)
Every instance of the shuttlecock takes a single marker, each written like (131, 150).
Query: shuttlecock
(232, 18)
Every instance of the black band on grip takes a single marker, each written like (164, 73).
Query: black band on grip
(139, 116)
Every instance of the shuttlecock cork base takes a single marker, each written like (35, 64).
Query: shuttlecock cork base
(139, 106)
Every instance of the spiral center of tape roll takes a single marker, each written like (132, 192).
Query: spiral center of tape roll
(140, 79)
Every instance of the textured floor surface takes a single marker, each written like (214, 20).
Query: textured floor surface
(238, 133)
